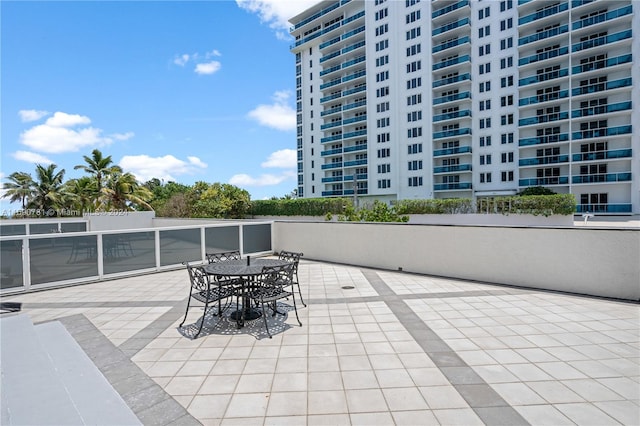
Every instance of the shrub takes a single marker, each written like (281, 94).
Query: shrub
(444, 206)
(299, 206)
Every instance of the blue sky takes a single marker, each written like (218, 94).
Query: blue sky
(183, 91)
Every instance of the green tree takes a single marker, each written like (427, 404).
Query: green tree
(536, 190)
(49, 191)
(19, 188)
(82, 192)
(219, 200)
(122, 191)
(99, 167)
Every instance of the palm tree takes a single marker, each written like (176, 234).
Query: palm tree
(122, 191)
(48, 190)
(19, 188)
(82, 192)
(99, 167)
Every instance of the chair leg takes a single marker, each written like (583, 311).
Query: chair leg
(187, 311)
(204, 317)
(295, 308)
(264, 317)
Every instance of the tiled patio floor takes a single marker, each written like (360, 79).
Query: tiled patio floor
(395, 348)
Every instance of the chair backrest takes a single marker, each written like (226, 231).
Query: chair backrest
(223, 256)
(290, 256)
(281, 276)
(198, 277)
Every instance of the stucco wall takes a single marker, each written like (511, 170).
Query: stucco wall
(598, 262)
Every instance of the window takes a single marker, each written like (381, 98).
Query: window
(413, 33)
(383, 122)
(384, 183)
(384, 168)
(506, 138)
(381, 45)
(414, 132)
(506, 100)
(414, 99)
(506, 43)
(506, 5)
(415, 181)
(506, 119)
(485, 123)
(506, 62)
(484, 13)
(411, 2)
(485, 141)
(382, 60)
(382, 29)
(415, 165)
(506, 157)
(384, 137)
(382, 91)
(382, 107)
(412, 17)
(414, 82)
(485, 177)
(414, 116)
(485, 68)
(485, 159)
(485, 104)
(384, 152)
(507, 176)
(415, 148)
(485, 86)
(506, 81)
(413, 50)
(414, 66)
(484, 31)
(382, 13)
(484, 50)
(382, 76)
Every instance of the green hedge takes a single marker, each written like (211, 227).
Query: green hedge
(300, 207)
(444, 206)
(537, 205)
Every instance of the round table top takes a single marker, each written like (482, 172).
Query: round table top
(240, 267)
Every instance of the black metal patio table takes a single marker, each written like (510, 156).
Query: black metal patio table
(247, 270)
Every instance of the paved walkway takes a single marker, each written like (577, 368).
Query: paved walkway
(376, 347)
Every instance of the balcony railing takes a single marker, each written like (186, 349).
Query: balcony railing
(331, 138)
(451, 133)
(541, 140)
(452, 169)
(539, 78)
(331, 111)
(450, 62)
(331, 152)
(601, 41)
(330, 166)
(603, 208)
(603, 17)
(451, 186)
(605, 63)
(543, 56)
(354, 105)
(355, 163)
(451, 80)
(355, 119)
(450, 26)
(543, 119)
(603, 109)
(449, 8)
(555, 180)
(354, 134)
(603, 178)
(602, 155)
(361, 147)
(452, 151)
(599, 133)
(450, 44)
(332, 179)
(543, 34)
(535, 161)
(544, 13)
(452, 115)
(544, 98)
(451, 98)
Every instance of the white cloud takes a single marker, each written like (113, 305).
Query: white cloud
(242, 180)
(207, 68)
(278, 115)
(214, 52)
(31, 157)
(145, 167)
(276, 13)
(181, 59)
(60, 133)
(27, 115)
(284, 159)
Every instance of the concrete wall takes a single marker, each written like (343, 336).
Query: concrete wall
(597, 262)
(117, 219)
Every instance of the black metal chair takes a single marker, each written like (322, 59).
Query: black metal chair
(223, 256)
(294, 258)
(205, 289)
(275, 283)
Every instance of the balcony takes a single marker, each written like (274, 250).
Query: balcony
(537, 161)
(601, 41)
(440, 12)
(547, 118)
(599, 133)
(451, 98)
(543, 13)
(603, 208)
(605, 63)
(543, 35)
(331, 138)
(450, 26)
(599, 87)
(450, 44)
(359, 176)
(330, 166)
(452, 151)
(549, 54)
(452, 115)
(452, 169)
(330, 97)
(331, 83)
(332, 179)
(316, 16)
(451, 80)
(327, 152)
(540, 78)
(603, 17)
(451, 62)
(603, 178)
(355, 163)
(602, 109)
(353, 47)
(332, 193)
(330, 56)
(451, 133)
(357, 119)
(547, 97)
(354, 134)
(330, 70)
(555, 180)
(331, 125)
(603, 155)
(355, 148)
(330, 111)
(541, 140)
(452, 186)
(354, 76)
(353, 105)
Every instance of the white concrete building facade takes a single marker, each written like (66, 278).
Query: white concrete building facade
(416, 99)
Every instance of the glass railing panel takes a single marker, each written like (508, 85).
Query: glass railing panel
(355, 119)
(449, 8)
(353, 47)
(578, 3)
(603, 109)
(354, 90)
(330, 56)
(128, 252)
(543, 13)
(317, 15)
(543, 119)
(451, 62)
(355, 163)
(452, 115)
(596, 65)
(354, 76)
(601, 178)
(330, 97)
(180, 245)
(598, 133)
(330, 83)
(543, 34)
(332, 179)
(63, 258)
(353, 62)
(256, 238)
(331, 166)
(331, 111)
(450, 26)
(7, 230)
(601, 41)
(556, 180)
(449, 133)
(627, 10)
(543, 77)
(73, 226)
(451, 186)
(451, 80)
(450, 44)
(544, 160)
(329, 70)
(602, 155)
(331, 138)
(452, 169)
(352, 33)
(331, 193)
(543, 98)
(599, 87)
(452, 151)
(43, 228)
(560, 137)
(451, 98)
(11, 267)
(330, 42)
(330, 125)
(354, 105)
(603, 208)
(543, 56)
(362, 147)
(331, 152)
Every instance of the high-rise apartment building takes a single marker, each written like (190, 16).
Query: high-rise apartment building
(438, 99)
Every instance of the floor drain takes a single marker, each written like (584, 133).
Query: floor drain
(348, 287)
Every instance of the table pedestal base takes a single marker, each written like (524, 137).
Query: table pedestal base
(249, 314)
